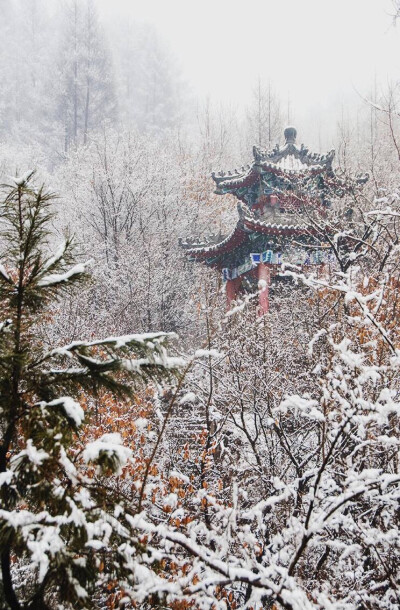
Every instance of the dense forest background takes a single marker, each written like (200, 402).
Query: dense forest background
(103, 113)
(113, 129)
(203, 459)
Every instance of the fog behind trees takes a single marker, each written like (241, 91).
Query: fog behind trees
(244, 460)
(100, 105)
(70, 68)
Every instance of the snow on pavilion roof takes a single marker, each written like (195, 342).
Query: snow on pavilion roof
(297, 166)
(288, 160)
(248, 223)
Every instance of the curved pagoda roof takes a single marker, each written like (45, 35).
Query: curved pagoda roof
(288, 161)
(290, 166)
(247, 223)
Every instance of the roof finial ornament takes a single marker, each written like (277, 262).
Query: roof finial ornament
(290, 134)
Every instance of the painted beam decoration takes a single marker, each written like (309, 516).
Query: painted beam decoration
(275, 194)
(295, 257)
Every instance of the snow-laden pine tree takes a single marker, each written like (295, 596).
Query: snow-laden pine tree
(63, 529)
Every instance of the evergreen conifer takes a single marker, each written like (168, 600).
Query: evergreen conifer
(57, 524)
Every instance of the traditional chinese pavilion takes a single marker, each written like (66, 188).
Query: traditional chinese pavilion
(276, 195)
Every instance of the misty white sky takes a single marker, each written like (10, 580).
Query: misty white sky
(319, 54)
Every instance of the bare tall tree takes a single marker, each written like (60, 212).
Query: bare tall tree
(264, 115)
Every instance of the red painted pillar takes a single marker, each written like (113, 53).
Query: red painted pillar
(263, 286)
